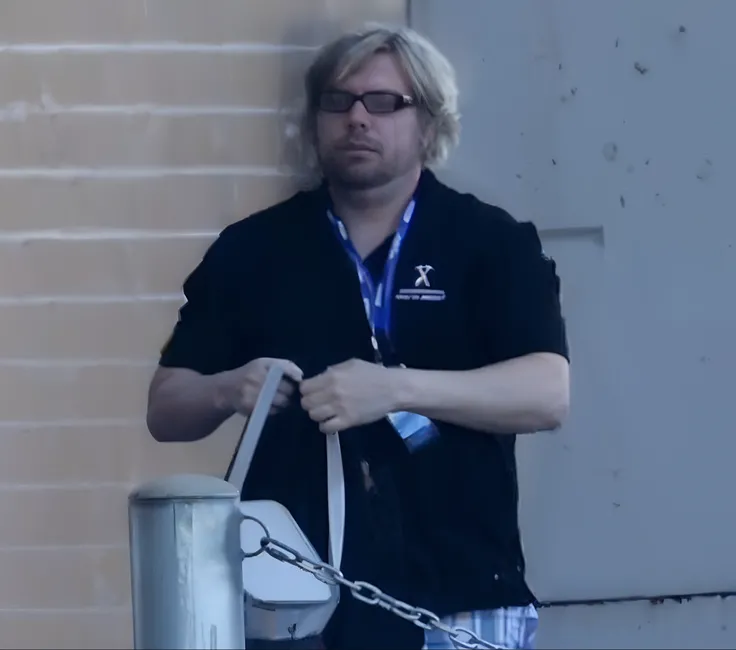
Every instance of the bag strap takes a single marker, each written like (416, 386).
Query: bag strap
(241, 462)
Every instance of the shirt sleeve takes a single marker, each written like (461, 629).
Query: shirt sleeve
(203, 338)
(527, 317)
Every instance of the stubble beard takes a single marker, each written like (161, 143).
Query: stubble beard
(360, 176)
(356, 177)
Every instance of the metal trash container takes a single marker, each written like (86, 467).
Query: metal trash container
(185, 560)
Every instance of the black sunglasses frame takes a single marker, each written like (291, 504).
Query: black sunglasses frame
(401, 101)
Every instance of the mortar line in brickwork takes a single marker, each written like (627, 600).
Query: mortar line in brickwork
(153, 47)
(62, 487)
(134, 172)
(22, 110)
(101, 234)
(12, 426)
(90, 299)
(36, 548)
(120, 609)
(75, 363)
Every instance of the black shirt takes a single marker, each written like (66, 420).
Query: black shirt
(439, 528)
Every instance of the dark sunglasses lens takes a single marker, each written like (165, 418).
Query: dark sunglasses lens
(336, 102)
(381, 102)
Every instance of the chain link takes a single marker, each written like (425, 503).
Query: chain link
(365, 592)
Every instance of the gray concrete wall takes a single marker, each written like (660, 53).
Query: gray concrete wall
(611, 125)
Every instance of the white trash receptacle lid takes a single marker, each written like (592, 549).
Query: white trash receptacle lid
(185, 487)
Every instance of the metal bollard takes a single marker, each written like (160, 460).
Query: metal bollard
(185, 561)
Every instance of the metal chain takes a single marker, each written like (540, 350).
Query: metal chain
(365, 592)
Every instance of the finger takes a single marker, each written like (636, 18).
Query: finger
(316, 399)
(274, 410)
(280, 400)
(333, 425)
(314, 384)
(286, 387)
(322, 413)
(256, 375)
(243, 409)
(290, 369)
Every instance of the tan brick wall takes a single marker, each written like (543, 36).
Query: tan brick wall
(130, 132)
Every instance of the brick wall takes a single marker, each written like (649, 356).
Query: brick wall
(131, 131)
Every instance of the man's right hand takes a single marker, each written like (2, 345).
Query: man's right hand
(238, 389)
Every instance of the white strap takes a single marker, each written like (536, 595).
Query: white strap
(335, 479)
(335, 498)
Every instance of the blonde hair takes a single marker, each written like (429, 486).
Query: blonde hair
(432, 79)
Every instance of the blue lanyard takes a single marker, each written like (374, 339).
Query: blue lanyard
(416, 430)
(376, 300)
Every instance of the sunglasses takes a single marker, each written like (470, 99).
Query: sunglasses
(377, 101)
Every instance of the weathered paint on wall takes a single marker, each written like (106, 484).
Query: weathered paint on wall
(131, 131)
(641, 625)
(609, 124)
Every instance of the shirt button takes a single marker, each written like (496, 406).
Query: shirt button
(495, 576)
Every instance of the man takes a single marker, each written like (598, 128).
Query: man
(388, 298)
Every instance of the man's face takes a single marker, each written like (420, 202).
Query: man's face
(359, 149)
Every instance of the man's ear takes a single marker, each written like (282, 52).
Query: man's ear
(428, 134)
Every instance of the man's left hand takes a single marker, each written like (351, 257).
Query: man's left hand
(348, 395)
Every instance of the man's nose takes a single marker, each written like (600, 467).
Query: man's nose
(358, 117)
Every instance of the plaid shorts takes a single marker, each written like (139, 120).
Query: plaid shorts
(512, 627)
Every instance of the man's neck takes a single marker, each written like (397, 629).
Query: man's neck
(371, 215)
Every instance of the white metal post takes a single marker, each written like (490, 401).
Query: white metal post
(186, 561)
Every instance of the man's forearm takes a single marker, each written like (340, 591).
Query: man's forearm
(184, 406)
(521, 395)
